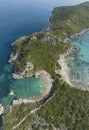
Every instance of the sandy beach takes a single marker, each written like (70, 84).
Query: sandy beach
(64, 70)
(47, 79)
(65, 74)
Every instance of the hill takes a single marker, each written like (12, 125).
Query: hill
(69, 20)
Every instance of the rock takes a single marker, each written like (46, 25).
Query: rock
(11, 92)
(1, 109)
(17, 76)
(80, 33)
(13, 58)
(19, 101)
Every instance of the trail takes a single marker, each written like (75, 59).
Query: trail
(32, 112)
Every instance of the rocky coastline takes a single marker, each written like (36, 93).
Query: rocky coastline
(80, 33)
(28, 72)
(67, 39)
(70, 51)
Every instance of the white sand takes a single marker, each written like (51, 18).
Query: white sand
(48, 81)
(65, 74)
(64, 70)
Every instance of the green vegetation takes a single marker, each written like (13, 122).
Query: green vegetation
(17, 113)
(67, 108)
(70, 20)
(43, 54)
(70, 108)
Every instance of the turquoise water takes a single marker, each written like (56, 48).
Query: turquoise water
(78, 62)
(29, 88)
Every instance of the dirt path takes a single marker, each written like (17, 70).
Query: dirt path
(32, 112)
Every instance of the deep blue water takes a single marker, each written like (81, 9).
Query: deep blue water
(18, 18)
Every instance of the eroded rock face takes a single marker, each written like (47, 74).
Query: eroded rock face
(13, 58)
(17, 76)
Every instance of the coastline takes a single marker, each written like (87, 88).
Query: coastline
(64, 72)
(79, 34)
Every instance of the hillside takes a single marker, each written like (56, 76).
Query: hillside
(69, 20)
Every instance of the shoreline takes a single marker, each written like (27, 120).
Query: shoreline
(79, 34)
(47, 77)
(64, 72)
(67, 39)
(45, 93)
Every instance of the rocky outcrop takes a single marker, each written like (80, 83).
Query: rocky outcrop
(28, 72)
(13, 58)
(71, 51)
(20, 100)
(11, 92)
(1, 109)
(80, 33)
(17, 76)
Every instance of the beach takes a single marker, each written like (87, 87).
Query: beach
(64, 70)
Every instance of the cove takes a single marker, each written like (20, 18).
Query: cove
(78, 62)
(26, 88)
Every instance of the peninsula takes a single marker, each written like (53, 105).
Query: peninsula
(65, 107)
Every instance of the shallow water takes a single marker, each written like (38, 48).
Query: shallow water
(78, 62)
(28, 88)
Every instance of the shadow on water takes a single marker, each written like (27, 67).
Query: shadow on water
(1, 123)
